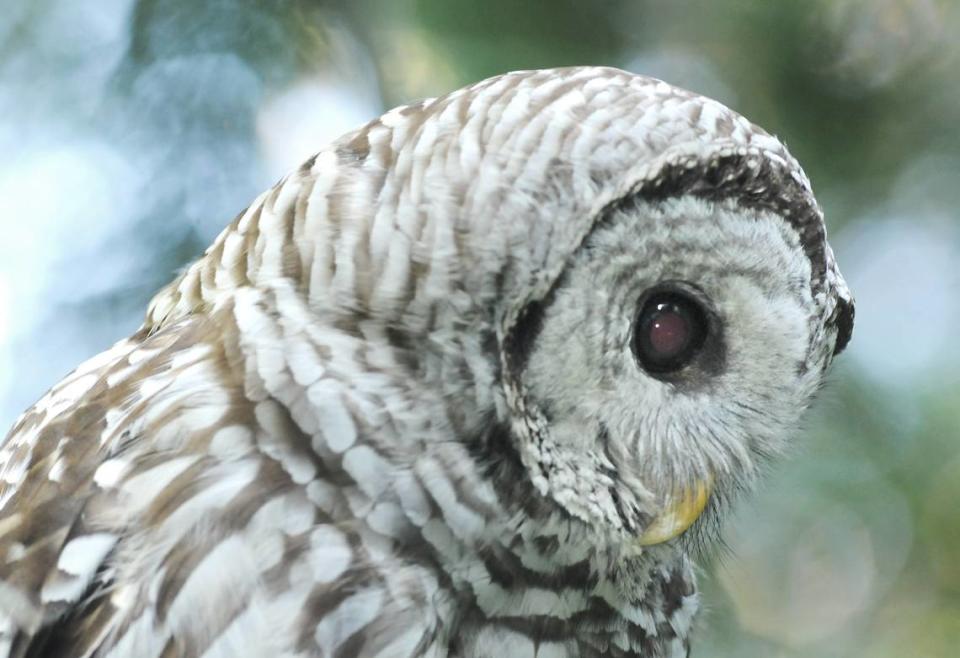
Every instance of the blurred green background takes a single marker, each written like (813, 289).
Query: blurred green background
(133, 130)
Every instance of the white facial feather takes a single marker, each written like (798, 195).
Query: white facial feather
(661, 435)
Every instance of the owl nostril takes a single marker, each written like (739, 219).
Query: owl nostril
(844, 323)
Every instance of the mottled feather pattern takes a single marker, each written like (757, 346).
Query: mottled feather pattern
(328, 438)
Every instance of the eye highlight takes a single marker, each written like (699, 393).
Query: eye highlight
(669, 332)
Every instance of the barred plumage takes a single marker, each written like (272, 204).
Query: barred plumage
(394, 409)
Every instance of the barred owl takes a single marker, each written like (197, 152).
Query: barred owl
(478, 379)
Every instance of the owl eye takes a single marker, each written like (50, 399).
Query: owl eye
(669, 332)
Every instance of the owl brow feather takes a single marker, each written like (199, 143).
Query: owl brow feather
(752, 182)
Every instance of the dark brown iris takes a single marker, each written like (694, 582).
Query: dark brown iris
(670, 330)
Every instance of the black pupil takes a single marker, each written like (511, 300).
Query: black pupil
(670, 331)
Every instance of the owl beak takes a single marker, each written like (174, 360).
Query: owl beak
(679, 512)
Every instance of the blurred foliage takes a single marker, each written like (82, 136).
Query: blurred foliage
(851, 548)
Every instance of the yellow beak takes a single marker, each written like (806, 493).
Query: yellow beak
(679, 513)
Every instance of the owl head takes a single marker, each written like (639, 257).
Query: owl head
(678, 347)
(675, 327)
(621, 290)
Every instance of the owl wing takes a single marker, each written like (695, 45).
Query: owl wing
(186, 492)
(48, 554)
(63, 510)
